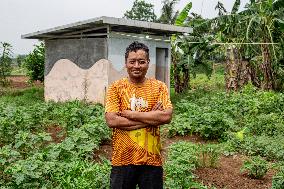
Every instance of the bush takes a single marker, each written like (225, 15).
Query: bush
(30, 158)
(210, 155)
(214, 115)
(270, 147)
(34, 62)
(5, 63)
(256, 167)
(278, 180)
(183, 158)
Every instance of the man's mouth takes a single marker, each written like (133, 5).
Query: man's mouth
(136, 71)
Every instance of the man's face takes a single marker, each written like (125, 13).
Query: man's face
(137, 64)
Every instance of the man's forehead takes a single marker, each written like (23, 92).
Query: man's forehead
(137, 58)
(139, 51)
(140, 54)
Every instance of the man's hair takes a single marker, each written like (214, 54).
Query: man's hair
(134, 47)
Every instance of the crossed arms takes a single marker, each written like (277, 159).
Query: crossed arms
(131, 120)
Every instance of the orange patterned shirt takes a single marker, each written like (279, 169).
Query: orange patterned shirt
(141, 146)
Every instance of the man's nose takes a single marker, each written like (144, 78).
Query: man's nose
(137, 64)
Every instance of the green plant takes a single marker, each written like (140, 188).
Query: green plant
(141, 10)
(29, 155)
(34, 62)
(182, 160)
(278, 179)
(5, 63)
(256, 167)
(210, 155)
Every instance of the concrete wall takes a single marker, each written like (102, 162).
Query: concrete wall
(76, 69)
(116, 51)
(82, 69)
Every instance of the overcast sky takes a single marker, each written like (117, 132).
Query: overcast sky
(18, 17)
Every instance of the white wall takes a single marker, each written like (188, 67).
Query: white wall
(117, 45)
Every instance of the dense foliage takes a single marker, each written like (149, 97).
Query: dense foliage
(256, 167)
(34, 62)
(32, 156)
(278, 179)
(183, 158)
(141, 11)
(249, 122)
(214, 114)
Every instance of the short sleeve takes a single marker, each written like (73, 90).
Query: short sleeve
(112, 99)
(165, 97)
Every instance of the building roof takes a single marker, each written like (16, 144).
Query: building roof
(103, 25)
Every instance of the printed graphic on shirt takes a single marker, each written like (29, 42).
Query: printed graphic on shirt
(141, 146)
(137, 103)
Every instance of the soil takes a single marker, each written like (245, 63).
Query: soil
(227, 175)
(104, 151)
(21, 82)
(57, 133)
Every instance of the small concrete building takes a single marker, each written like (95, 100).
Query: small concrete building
(82, 59)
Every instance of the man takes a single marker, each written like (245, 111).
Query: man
(135, 108)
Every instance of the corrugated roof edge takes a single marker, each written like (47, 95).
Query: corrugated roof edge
(113, 21)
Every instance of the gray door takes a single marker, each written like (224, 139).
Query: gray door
(161, 64)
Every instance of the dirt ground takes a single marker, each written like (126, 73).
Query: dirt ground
(227, 175)
(21, 82)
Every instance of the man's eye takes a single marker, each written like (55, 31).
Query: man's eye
(132, 62)
(142, 62)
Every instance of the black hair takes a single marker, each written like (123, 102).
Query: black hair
(134, 47)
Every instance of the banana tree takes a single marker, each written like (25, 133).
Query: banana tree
(229, 27)
(265, 25)
(180, 71)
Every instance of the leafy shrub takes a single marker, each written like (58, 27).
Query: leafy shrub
(203, 116)
(37, 171)
(82, 174)
(183, 158)
(270, 147)
(5, 62)
(29, 158)
(256, 167)
(278, 179)
(214, 115)
(269, 124)
(34, 62)
(210, 155)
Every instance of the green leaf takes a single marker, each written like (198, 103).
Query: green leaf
(236, 7)
(280, 23)
(183, 14)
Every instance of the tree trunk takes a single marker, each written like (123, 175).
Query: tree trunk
(231, 70)
(253, 72)
(185, 79)
(236, 71)
(176, 76)
(268, 82)
(244, 75)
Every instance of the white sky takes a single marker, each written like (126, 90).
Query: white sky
(18, 17)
